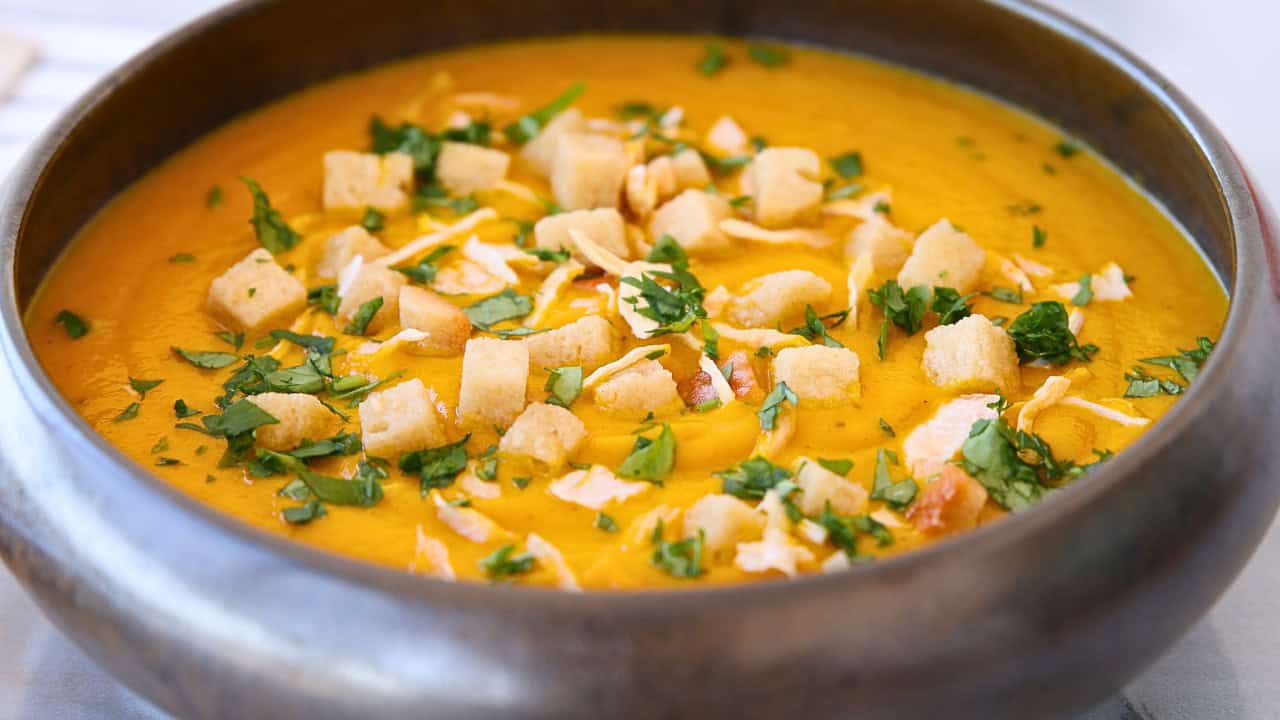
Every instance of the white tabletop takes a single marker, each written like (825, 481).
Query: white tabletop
(1223, 54)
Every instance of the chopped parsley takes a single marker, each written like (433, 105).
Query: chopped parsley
(181, 410)
(305, 513)
(1143, 385)
(128, 413)
(272, 231)
(527, 127)
(751, 479)
(1038, 236)
(887, 428)
(951, 306)
(710, 341)
(904, 309)
(1043, 332)
(816, 327)
(682, 559)
(651, 460)
(213, 198)
(437, 467)
(425, 270)
(565, 385)
(373, 221)
(1066, 149)
(770, 56)
(848, 165)
(409, 139)
(676, 309)
(364, 490)
(606, 523)
(774, 405)
(360, 321)
(75, 325)
(142, 387)
(840, 530)
(1085, 293)
(207, 360)
(182, 258)
(713, 61)
(506, 305)
(1005, 295)
(839, 467)
(324, 297)
(1186, 363)
(555, 256)
(503, 564)
(898, 494)
(235, 340)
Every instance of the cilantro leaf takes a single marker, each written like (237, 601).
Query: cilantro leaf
(751, 479)
(437, 467)
(425, 270)
(303, 514)
(143, 386)
(1044, 332)
(713, 61)
(565, 385)
(506, 305)
(409, 139)
(324, 297)
(271, 229)
(527, 127)
(904, 309)
(848, 165)
(951, 306)
(651, 460)
(839, 467)
(682, 559)
(503, 564)
(364, 315)
(898, 494)
(207, 360)
(75, 325)
(373, 221)
(816, 327)
(773, 405)
(1085, 293)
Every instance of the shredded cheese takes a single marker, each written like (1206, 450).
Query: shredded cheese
(1048, 394)
(550, 555)
(595, 488)
(860, 271)
(1105, 412)
(426, 242)
(434, 555)
(552, 286)
(724, 391)
(633, 356)
(743, 230)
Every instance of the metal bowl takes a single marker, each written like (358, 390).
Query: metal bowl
(1039, 615)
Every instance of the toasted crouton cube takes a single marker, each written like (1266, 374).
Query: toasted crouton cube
(887, 244)
(605, 226)
(816, 372)
(820, 486)
(301, 416)
(254, 293)
(693, 219)
(494, 375)
(463, 168)
(786, 185)
(724, 521)
(371, 281)
(541, 150)
(972, 354)
(949, 504)
(547, 434)
(640, 389)
(358, 180)
(341, 247)
(777, 297)
(446, 325)
(727, 136)
(400, 419)
(589, 342)
(690, 169)
(943, 256)
(588, 170)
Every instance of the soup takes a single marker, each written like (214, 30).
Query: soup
(627, 312)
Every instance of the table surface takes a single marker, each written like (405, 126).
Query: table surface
(1219, 53)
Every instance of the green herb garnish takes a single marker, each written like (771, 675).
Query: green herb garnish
(272, 231)
(1085, 293)
(651, 460)
(142, 387)
(502, 564)
(360, 321)
(527, 127)
(437, 467)
(207, 360)
(713, 61)
(1044, 332)
(75, 325)
(848, 165)
(565, 385)
(751, 479)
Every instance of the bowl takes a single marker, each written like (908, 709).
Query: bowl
(1039, 615)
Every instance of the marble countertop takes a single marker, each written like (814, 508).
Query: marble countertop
(1221, 54)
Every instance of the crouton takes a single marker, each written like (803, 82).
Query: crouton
(300, 416)
(255, 293)
(887, 244)
(690, 169)
(782, 296)
(400, 419)
(943, 256)
(775, 552)
(828, 375)
(494, 375)
(605, 226)
(541, 150)
(588, 170)
(972, 354)
(1107, 285)
(358, 180)
(446, 325)
(369, 281)
(727, 136)
(933, 444)
(820, 486)
(342, 246)
(693, 219)
(595, 488)
(546, 434)
(949, 504)
(724, 521)
(589, 342)
(463, 168)
(663, 171)
(641, 190)
(786, 186)
(640, 389)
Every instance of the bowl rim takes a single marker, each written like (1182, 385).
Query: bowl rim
(53, 410)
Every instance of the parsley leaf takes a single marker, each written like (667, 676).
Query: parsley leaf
(898, 494)
(437, 467)
(1038, 236)
(182, 258)
(848, 165)
(676, 309)
(839, 467)
(373, 221)
(565, 385)
(364, 490)
(1005, 295)
(75, 325)
(207, 360)
(682, 559)
(815, 327)
(904, 309)
(502, 564)
(1142, 385)
(425, 271)
(1043, 332)
(1187, 363)
(773, 405)
(991, 457)
(128, 413)
(240, 418)
(606, 523)
(303, 514)
(951, 306)
(769, 56)
(360, 321)
(527, 127)
(751, 479)
(409, 139)
(651, 460)
(713, 61)
(272, 231)
(839, 530)
(213, 198)
(887, 428)
(324, 297)
(506, 305)
(545, 255)
(181, 410)
(143, 386)
(1085, 293)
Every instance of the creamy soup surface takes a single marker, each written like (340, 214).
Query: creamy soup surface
(627, 312)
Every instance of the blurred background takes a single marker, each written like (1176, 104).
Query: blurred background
(1222, 54)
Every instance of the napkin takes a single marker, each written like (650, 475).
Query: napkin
(16, 55)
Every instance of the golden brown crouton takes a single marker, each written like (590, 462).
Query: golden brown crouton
(724, 521)
(463, 168)
(301, 417)
(400, 419)
(342, 246)
(949, 504)
(547, 434)
(690, 170)
(541, 150)
(943, 256)
(588, 171)
(359, 180)
(887, 244)
(369, 281)
(816, 372)
(255, 293)
(604, 226)
(494, 376)
(786, 186)
(972, 354)
(588, 342)
(693, 219)
(446, 325)
(642, 388)
(820, 486)
(777, 297)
